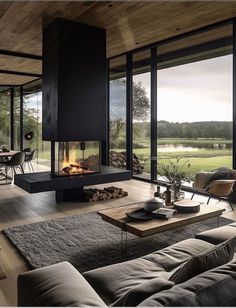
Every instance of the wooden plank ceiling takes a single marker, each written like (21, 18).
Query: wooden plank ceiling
(129, 25)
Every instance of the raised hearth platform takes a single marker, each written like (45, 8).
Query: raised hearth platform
(66, 187)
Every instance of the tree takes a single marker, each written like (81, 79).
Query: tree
(30, 118)
(141, 105)
(118, 105)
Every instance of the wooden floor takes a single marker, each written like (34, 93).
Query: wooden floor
(18, 207)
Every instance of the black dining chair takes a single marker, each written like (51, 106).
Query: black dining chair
(28, 159)
(16, 162)
(27, 150)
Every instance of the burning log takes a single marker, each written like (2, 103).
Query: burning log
(79, 166)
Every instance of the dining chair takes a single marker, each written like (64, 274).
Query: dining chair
(15, 162)
(28, 159)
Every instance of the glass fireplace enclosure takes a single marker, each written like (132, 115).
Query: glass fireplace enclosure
(77, 158)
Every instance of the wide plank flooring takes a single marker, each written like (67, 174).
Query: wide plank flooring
(18, 207)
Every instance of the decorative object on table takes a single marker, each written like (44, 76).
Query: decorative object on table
(181, 195)
(164, 213)
(152, 209)
(167, 195)
(153, 204)
(157, 193)
(187, 206)
(174, 171)
(141, 214)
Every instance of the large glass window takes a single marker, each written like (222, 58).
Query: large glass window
(32, 124)
(141, 114)
(118, 112)
(5, 102)
(194, 102)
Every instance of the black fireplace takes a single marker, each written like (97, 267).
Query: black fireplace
(75, 113)
(76, 158)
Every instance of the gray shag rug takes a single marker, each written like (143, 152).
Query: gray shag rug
(88, 242)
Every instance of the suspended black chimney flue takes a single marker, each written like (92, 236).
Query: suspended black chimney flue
(74, 93)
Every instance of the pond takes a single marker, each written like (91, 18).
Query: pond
(192, 148)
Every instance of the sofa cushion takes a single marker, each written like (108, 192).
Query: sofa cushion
(56, 285)
(217, 256)
(218, 235)
(173, 256)
(142, 291)
(212, 288)
(112, 282)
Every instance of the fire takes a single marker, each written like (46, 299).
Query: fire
(69, 160)
(71, 165)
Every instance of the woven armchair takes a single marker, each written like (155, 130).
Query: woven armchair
(218, 188)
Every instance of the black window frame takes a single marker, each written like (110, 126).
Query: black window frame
(154, 62)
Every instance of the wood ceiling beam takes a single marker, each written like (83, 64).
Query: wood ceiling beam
(20, 55)
(20, 73)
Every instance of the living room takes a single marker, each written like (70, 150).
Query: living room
(117, 160)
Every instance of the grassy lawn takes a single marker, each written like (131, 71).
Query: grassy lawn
(199, 164)
(201, 159)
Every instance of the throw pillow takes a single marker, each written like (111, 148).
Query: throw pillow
(214, 257)
(223, 173)
(139, 293)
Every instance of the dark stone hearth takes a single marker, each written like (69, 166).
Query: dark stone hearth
(44, 181)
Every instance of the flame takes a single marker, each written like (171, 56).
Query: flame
(73, 165)
(72, 159)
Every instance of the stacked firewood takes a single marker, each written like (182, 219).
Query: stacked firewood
(111, 192)
(118, 160)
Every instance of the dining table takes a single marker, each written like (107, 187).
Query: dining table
(8, 153)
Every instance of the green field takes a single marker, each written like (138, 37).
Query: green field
(207, 154)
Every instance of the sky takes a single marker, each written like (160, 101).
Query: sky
(200, 91)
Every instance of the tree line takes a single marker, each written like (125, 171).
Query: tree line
(209, 129)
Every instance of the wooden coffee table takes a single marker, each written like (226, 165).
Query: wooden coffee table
(117, 217)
